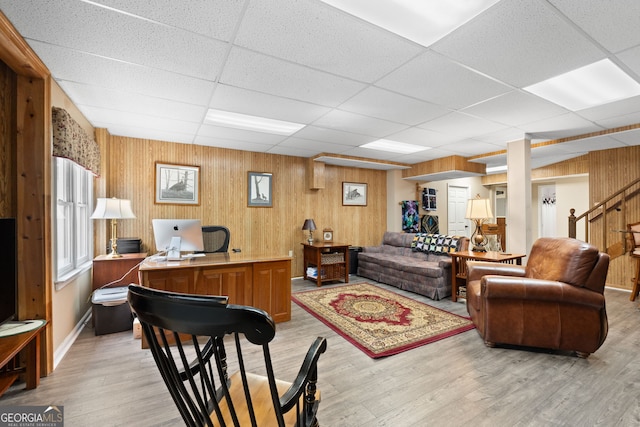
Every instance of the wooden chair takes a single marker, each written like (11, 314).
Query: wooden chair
(634, 232)
(215, 238)
(186, 335)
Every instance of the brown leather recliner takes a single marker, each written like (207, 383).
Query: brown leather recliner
(556, 301)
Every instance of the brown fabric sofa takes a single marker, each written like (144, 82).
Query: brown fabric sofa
(556, 301)
(424, 268)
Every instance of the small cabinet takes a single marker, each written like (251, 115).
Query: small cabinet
(326, 262)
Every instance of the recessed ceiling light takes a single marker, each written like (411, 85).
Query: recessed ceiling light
(423, 21)
(255, 123)
(594, 84)
(393, 146)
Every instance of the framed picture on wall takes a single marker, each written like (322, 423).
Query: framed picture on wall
(177, 184)
(260, 190)
(354, 194)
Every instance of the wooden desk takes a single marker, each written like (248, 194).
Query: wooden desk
(258, 281)
(331, 260)
(106, 270)
(10, 366)
(459, 265)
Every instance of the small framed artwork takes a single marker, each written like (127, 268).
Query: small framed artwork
(354, 194)
(260, 190)
(177, 184)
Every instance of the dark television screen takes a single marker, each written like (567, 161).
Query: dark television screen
(8, 258)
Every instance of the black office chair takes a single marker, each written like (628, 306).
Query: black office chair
(195, 370)
(215, 238)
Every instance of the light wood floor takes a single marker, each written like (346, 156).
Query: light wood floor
(109, 381)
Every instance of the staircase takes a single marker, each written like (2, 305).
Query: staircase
(617, 202)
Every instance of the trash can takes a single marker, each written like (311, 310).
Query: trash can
(111, 311)
(353, 259)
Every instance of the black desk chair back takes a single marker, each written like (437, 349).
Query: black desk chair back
(216, 238)
(186, 335)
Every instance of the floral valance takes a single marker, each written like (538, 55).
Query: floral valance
(72, 142)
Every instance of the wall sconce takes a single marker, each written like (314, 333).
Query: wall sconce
(113, 209)
(309, 225)
(479, 210)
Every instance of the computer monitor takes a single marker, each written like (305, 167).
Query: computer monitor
(177, 235)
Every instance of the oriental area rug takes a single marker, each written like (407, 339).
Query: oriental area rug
(380, 322)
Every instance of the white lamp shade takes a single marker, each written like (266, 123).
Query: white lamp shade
(479, 209)
(113, 209)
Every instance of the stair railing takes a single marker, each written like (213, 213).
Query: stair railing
(616, 201)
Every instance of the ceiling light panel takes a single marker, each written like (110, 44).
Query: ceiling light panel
(259, 124)
(594, 84)
(423, 22)
(393, 146)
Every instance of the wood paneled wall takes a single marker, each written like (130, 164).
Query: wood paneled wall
(223, 194)
(7, 141)
(611, 170)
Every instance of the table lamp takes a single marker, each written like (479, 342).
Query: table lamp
(113, 209)
(309, 225)
(478, 210)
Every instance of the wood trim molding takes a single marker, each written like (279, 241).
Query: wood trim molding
(16, 53)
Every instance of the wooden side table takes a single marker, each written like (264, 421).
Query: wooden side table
(459, 265)
(10, 348)
(331, 261)
(106, 270)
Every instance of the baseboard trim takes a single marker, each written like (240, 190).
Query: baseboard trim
(70, 339)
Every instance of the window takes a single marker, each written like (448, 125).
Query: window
(73, 232)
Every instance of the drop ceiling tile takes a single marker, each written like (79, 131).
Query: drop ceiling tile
(96, 96)
(631, 58)
(315, 146)
(611, 110)
(502, 137)
(356, 123)
(75, 24)
(321, 37)
(630, 138)
(292, 151)
(221, 132)
(434, 78)
(549, 160)
(371, 154)
(216, 19)
(515, 108)
(100, 117)
(383, 104)
(562, 126)
(462, 125)
(585, 145)
(250, 70)
(419, 136)
(423, 156)
(472, 147)
(73, 66)
(238, 100)
(232, 144)
(146, 133)
(519, 43)
(613, 25)
(333, 136)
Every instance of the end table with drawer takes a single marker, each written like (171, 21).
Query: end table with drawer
(329, 260)
(459, 266)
